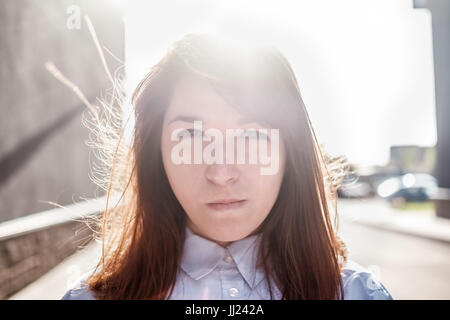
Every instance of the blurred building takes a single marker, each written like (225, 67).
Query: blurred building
(411, 158)
(416, 159)
(440, 17)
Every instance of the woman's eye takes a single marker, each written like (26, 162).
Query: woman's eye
(192, 133)
(196, 133)
(200, 134)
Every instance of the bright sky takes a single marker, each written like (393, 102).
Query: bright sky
(365, 67)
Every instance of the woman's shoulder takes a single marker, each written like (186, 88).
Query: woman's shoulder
(361, 284)
(80, 291)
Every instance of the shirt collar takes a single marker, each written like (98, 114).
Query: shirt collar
(201, 256)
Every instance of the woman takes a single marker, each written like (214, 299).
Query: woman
(213, 229)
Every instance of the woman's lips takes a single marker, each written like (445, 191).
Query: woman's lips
(226, 204)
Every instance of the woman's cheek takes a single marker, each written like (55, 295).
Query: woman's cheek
(186, 177)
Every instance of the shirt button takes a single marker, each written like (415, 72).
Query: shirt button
(234, 292)
(228, 258)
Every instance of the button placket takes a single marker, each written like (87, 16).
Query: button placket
(231, 281)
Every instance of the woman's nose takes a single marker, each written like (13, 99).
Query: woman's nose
(222, 174)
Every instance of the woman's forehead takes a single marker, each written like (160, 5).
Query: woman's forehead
(199, 99)
(194, 97)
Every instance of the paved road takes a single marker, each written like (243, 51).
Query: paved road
(410, 267)
(54, 284)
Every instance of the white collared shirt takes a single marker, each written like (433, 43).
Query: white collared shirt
(210, 271)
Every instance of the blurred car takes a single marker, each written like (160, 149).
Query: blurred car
(410, 187)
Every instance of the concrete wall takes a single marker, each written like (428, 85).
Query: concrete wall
(43, 152)
(32, 245)
(24, 258)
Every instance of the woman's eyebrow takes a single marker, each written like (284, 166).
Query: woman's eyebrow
(191, 119)
(245, 120)
(184, 118)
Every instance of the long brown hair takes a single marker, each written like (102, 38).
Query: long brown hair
(143, 235)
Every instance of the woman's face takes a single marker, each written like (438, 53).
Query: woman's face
(223, 202)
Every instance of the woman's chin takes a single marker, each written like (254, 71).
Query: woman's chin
(224, 234)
